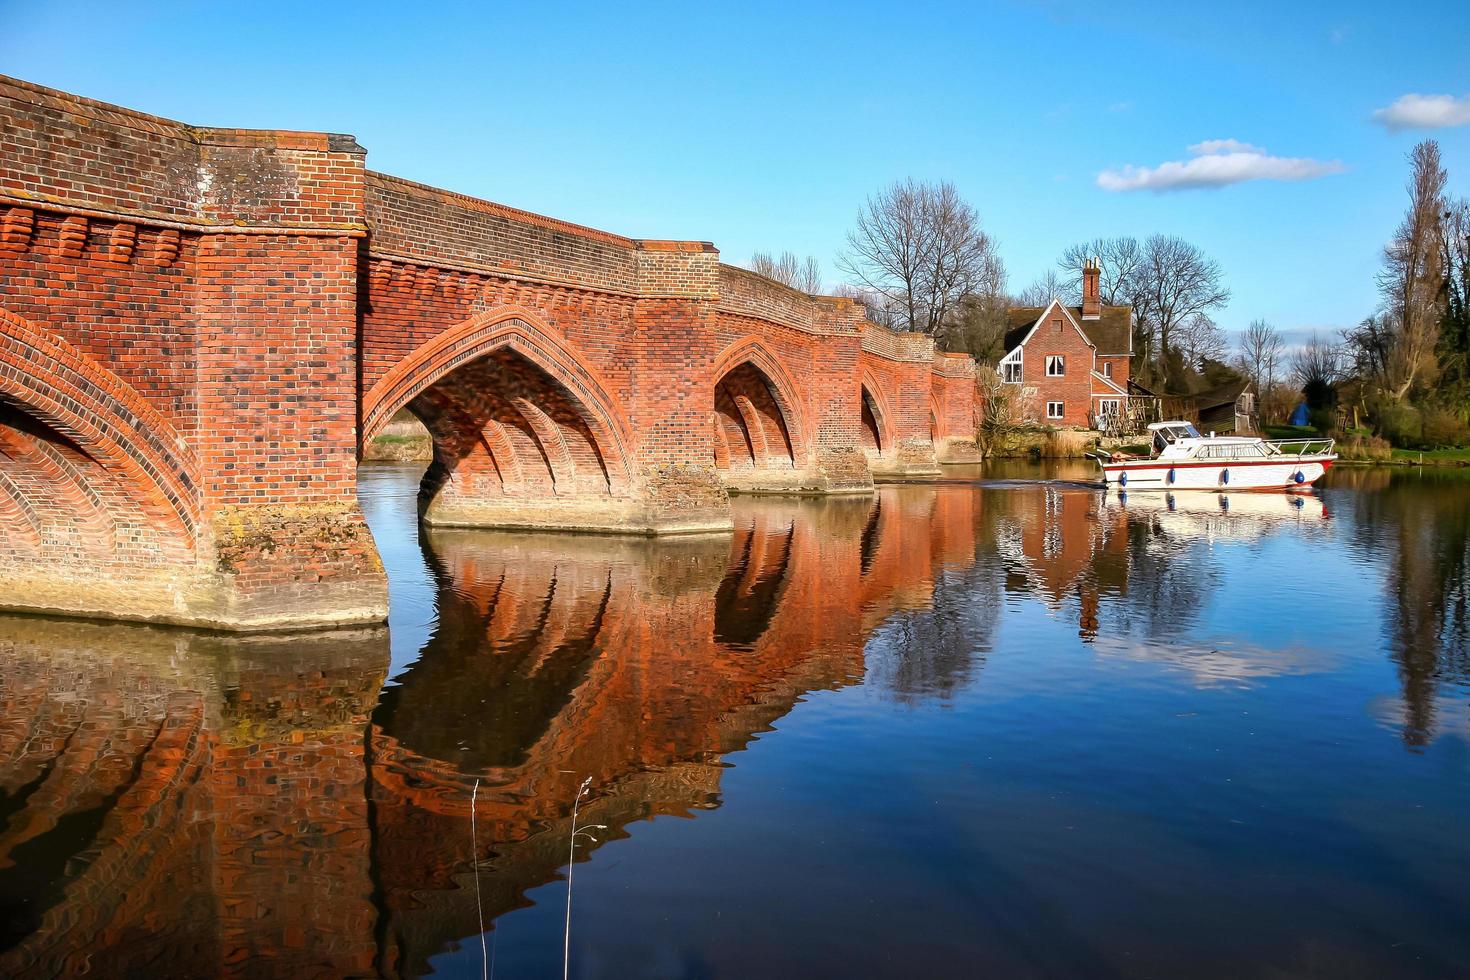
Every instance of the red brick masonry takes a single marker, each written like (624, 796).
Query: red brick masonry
(200, 327)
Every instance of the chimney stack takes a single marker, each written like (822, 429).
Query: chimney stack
(1091, 289)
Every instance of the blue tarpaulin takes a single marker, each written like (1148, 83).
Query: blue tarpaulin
(1299, 415)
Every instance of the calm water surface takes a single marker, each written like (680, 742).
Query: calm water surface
(1013, 729)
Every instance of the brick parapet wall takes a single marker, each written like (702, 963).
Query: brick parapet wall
(882, 342)
(71, 153)
(454, 232)
(745, 293)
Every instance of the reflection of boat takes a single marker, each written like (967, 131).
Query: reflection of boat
(1182, 459)
(1221, 516)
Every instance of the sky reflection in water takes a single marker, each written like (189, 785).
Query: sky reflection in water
(1021, 729)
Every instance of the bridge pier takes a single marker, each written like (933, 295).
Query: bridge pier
(664, 501)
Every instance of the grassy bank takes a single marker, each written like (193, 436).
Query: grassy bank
(1361, 449)
(1456, 456)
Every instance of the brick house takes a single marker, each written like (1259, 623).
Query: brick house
(1071, 361)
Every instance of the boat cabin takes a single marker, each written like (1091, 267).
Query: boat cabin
(1166, 434)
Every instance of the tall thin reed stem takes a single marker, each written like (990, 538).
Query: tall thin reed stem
(475, 862)
(566, 947)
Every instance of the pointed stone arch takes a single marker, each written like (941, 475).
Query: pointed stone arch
(582, 439)
(759, 421)
(877, 424)
(84, 443)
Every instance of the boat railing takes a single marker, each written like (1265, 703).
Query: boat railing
(1301, 447)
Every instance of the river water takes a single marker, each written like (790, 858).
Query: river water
(1007, 729)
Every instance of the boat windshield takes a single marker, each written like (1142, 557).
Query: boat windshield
(1167, 435)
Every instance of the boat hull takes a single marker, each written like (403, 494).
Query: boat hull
(1218, 475)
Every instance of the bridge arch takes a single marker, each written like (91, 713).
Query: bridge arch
(758, 419)
(88, 467)
(877, 427)
(513, 408)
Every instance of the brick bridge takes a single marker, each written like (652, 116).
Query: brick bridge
(199, 328)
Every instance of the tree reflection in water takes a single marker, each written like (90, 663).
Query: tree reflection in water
(1416, 523)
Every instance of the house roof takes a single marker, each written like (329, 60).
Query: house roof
(1106, 382)
(1225, 394)
(1111, 333)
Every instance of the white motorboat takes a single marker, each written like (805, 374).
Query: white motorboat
(1182, 459)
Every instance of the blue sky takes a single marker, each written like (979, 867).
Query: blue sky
(764, 126)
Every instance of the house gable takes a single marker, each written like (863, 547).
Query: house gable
(1047, 317)
(1061, 399)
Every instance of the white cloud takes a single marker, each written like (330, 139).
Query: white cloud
(1216, 163)
(1424, 112)
(1224, 146)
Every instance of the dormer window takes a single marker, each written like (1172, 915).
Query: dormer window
(1056, 365)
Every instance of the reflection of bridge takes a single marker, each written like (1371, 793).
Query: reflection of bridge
(201, 326)
(209, 804)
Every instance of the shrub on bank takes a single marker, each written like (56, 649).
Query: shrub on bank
(1442, 428)
(1398, 423)
(1323, 419)
(1363, 447)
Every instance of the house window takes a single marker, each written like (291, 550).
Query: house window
(1011, 372)
(1107, 369)
(1107, 406)
(1056, 365)
(1055, 410)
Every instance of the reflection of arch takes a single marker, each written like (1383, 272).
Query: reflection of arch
(750, 350)
(868, 542)
(510, 651)
(87, 441)
(751, 589)
(876, 430)
(522, 332)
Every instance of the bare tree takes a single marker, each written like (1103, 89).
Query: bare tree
(803, 274)
(1178, 282)
(1200, 340)
(1413, 276)
(1119, 259)
(977, 326)
(1261, 348)
(1317, 366)
(920, 247)
(1372, 349)
(1046, 287)
(1003, 410)
(1454, 334)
